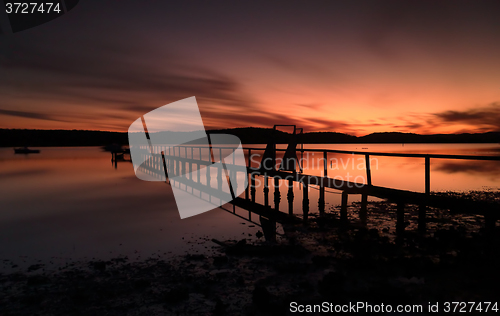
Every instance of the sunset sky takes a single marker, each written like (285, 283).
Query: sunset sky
(354, 67)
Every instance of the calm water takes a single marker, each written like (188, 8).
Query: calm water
(71, 203)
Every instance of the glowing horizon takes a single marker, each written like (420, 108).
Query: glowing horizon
(400, 67)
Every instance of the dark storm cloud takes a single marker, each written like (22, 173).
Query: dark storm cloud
(114, 76)
(482, 117)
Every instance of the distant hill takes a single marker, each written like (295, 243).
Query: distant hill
(248, 135)
(46, 138)
(490, 137)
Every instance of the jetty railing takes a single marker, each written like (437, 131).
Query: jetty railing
(180, 160)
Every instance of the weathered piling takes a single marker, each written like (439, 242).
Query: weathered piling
(343, 206)
(252, 189)
(277, 194)
(305, 200)
(363, 212)
(290, 197)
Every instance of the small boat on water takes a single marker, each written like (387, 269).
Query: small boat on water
(26, 150)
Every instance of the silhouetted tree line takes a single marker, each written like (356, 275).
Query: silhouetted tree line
(249, 135)
(43, 138)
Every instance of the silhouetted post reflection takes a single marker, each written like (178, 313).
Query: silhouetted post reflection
(305, 200)
(423, 207)
(343, 206)
(290, 197)
(364, 209)
(247, 189)
(427, 175)
(252, 189)
(266, 191)
(269, 228)
(321, 200)
(277, 194)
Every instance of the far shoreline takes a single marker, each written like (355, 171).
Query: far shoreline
(251, 135)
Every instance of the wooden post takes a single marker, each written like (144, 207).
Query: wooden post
(363, 212)
(325, 164)
(209, 179)
(234, 181)
(252, 188)
(169, 163)
(179, 170)
(164, 165)
(182, 167)
(321, 200)
(266, 191)
(199, 167)
(290, 196)
(190, 164)
(233, 175)
(219, 171)
(368, 170)
(400, 222)
(247, 189)
(277, 194)
(305, 200)
(427, 175)
(343, 206)
(174, 163)
(219, 177)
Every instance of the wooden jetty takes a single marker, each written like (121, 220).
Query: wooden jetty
(119, 154)
(181, 161)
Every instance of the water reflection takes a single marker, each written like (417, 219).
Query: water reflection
(69, 202)
(477, 168)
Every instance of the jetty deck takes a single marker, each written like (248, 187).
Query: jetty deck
(180, 161)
